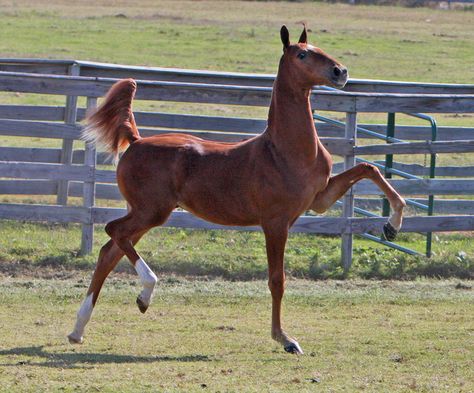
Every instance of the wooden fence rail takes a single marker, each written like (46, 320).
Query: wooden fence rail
(106, 70)
(52, 156)
(50, 114)
(67, 172)
(338, 101)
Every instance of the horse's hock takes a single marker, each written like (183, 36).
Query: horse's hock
(67, 172)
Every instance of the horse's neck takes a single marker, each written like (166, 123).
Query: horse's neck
(290, 121)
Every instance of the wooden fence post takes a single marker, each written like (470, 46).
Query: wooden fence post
(70, 117)
(88, 191)
(348, 200)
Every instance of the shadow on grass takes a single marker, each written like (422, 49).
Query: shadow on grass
(83, 360)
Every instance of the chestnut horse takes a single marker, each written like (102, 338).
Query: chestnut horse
(268, 180)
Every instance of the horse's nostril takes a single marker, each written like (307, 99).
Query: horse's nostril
(344, 71)
(337, 71)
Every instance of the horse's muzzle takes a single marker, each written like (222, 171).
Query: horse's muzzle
(339, 76)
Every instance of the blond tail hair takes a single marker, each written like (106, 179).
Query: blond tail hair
(112, 126)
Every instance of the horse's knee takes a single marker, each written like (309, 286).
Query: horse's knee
(319, 207)
(371, 171)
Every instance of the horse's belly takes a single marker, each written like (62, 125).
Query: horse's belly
(220, 215)
(222, 201)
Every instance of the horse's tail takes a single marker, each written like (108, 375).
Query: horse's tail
(112, 126)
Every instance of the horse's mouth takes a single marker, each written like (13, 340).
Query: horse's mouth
(338, 83)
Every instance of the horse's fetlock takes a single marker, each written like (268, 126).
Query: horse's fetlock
(278, 335)
(403, 203)
(147, 276)
(399, 205)
(150, 280)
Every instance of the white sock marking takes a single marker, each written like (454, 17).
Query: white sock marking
(396, 221)
(83, 316)
(148, 279)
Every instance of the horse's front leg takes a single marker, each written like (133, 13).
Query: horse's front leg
(338, 185)
(276, 234)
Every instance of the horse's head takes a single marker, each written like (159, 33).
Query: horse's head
(309, 65)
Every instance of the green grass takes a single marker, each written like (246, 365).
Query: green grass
(234, 255)
(214, 336)
(375, 42)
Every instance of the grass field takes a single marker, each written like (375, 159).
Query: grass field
(214, 336)
(234, 255)
(375, 42)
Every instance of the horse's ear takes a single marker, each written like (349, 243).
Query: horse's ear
(303, 37)
(285, 37)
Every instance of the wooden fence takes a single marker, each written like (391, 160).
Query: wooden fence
(66, 172)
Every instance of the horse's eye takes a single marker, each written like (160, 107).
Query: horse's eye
(301, 55)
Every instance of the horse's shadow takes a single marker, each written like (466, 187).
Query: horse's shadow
(86, 360)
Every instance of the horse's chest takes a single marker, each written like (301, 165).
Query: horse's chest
(293, 188)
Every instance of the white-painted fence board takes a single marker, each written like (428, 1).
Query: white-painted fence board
(70, 117)
(256, 126)
(111, 192)
(84, 173)
(28, 187)
(55, 69)
(350, 134)
(96, 69)
(418, 148)
(46, 155)
(25, 170)
(39, 129)
(88, 189)
(237, 95)
(408, 132)
(32, 112)
(420, 170)
(30, 154)
(308, 224)
(49, 213)
(420, 187)
(312, 224)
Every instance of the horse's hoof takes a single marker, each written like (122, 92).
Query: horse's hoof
(389, 232)
(75, 340)
(293, 348)
(141, 305)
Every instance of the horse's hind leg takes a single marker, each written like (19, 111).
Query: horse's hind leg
(109, 256)
(339, 184)
(122, 232)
